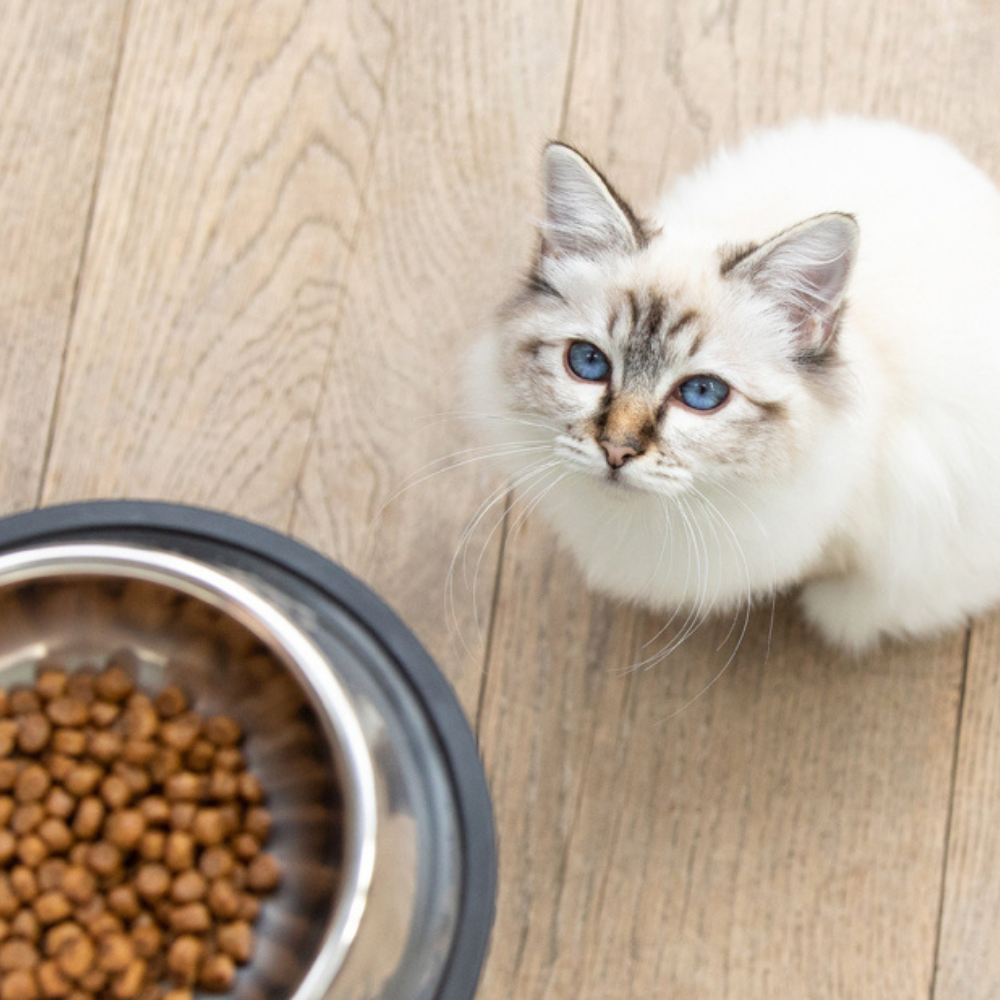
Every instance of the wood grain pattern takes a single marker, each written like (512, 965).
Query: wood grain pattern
(233, 176)
(454, 177)
(304, 210)
(968, 958)
(784, 835)
(57, 70)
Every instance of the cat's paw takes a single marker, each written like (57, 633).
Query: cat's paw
(846, 611)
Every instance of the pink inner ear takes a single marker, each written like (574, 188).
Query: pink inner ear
(806, 270)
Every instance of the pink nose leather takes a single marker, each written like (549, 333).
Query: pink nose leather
(617, 454)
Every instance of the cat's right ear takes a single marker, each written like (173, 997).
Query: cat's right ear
(584, 216)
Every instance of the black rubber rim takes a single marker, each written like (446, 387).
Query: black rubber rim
(434, 693)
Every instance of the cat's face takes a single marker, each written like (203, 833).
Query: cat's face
(652, 363)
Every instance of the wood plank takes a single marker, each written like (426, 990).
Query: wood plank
(784, 835)
(57, 69)
(232, 187)
(968, 957)
(454, 175)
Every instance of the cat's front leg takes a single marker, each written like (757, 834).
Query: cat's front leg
(848, 610)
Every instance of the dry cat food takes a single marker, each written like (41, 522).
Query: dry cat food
(131, 842)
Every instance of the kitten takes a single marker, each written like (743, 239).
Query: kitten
(788, 374)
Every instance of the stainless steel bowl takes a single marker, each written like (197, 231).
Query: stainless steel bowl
(382, 822)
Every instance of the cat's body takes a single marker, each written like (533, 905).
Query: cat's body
(856, 450)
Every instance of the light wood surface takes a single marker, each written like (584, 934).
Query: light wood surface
(245, 247)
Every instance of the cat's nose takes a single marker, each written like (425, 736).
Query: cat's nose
(616, 453)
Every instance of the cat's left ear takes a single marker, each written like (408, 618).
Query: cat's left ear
(805, 271)
(584, 216)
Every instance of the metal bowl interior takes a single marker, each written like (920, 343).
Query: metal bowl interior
(233, 653)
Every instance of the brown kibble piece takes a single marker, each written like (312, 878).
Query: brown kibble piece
(126, 985)
(32, 784)
(136, 778)
(236, 940)
(184, 787)
(52, 983)
(9, 903)
(124, 900)
(250, 790)
(216, 862)
(208, 828)
(223, 731)
(50, 874)
(59, 803)
(75, 956)
(125, 828)
(229, 759)
(179, 851)
(71, 742)
(8, 736)
(105, 745)
(115, 952)
(83, 779)
(8, 845)
(32, 850)
(80, 686)
(155, 810)
(113, 684)
(25, 925)
(180, 733)
(104, 713)
(188, 887)
(19, 985)
(223, 899)
(249, 908)
(115, 791)
(67, 711)
(182, 815)
(52, 907)
(17, 954)
(24, 701)
(201, 756)
(57, 937)
(33, 733)
(24, 882)
(217, 974)
(165, 762)
(258, 823)
(152, 881)
(223, 786)
(56, 834)
(89, 818)
(26, 818)
(146, 936)
(193, 918)
(103, 924)
(50, 682)
(180, 994)
(78, 884)
(104, 858)
(139, 721)
(59, 765)
(9, 770)
(139, 752)
(170, 702)
(183, 959)
(6, 807)
(153, 845)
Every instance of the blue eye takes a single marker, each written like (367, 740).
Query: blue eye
(587, 362)
(703, 392)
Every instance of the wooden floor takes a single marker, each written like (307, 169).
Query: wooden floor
(244, 247)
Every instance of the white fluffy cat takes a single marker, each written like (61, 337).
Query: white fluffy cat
(788, 374)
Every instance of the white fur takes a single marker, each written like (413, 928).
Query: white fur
(884, 501)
